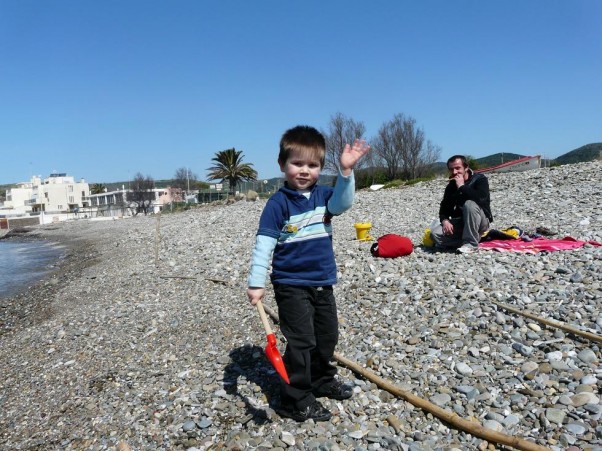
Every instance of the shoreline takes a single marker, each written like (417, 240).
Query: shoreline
(30, 305)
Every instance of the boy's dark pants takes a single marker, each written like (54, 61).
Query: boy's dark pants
(308, 320)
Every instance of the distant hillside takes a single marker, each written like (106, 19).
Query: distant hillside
(497, 158)
(589, 152)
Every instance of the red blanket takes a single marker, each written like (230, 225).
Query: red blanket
(535, 246)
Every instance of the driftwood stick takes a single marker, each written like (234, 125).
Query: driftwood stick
(178, 277)
(271, 312)
(451, 418)
(157, 238)
(550, 322)
(225, 282)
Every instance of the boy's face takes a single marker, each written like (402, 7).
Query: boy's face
(301, 169)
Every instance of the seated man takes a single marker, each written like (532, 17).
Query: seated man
(464, 212)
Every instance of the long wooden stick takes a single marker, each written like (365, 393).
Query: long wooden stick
(449, 417)
(550, 322)
(157, 238)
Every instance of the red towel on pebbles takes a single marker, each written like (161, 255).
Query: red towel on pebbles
(536, 245)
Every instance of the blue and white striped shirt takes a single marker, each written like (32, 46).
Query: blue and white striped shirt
(296, 232)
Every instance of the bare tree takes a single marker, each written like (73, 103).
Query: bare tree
(430, 155)
(184, 179)
(341, 130)
(400, 147)
(387, 146)
(141, 194)
(412, 140)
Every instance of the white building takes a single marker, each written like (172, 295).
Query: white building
(57, 193)
(116, 202)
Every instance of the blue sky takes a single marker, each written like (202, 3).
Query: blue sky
(102, 90)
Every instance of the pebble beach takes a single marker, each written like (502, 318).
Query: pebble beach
(142, 337)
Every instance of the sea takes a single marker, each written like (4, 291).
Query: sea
(23, 263)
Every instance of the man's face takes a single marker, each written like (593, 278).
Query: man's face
(456, 167)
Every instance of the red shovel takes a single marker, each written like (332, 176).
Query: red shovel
(271, 350)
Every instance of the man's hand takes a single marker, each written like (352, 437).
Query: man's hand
(448, 227)
(459, 179)
(255, 294)
(352, 154)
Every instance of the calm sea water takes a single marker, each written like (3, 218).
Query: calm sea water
(23, 263)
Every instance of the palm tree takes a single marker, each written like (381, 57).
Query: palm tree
(97, 188)
(229, 166)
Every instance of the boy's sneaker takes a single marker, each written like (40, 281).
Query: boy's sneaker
(315, 411)
(467, 249)
(335, 390)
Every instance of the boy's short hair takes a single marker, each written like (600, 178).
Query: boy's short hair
(458, 157)
(302, 138)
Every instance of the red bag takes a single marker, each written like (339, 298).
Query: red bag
(391, 246)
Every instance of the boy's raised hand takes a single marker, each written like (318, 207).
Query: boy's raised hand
(352, 154)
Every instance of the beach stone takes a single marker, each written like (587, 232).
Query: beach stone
(522, 349)
(464, 369)
(559, 365)
(529, 367)
(587, 356)
(440, 399)
(288, 438)
(556, 416)
(585, 398)
(534, 327)
(510, 421)
(589, 379)
(189, 426)
(545, 368)
(493, 425)
(576, 428)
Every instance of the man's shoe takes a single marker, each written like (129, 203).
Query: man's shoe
(315, 411)
(467, 249)
(544, 231)
(334, 390)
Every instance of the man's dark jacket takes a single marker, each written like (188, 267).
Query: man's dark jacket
(476, 188)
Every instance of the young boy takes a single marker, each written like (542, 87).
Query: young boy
(295, 227)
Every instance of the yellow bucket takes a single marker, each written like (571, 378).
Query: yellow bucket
(427, 240)
(362, 229)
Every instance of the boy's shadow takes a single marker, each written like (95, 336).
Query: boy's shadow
(251, 363)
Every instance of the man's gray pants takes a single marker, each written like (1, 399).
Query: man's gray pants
(467, 229)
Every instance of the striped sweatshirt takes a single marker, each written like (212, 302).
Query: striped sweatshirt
(296, 232)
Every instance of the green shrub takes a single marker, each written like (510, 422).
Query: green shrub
(365, 178)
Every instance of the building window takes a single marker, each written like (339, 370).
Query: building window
(70, 188)
(60, 207)
(71, 200)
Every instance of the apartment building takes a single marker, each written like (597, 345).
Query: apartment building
(58, 193)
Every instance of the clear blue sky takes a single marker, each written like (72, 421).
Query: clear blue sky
(102, 90)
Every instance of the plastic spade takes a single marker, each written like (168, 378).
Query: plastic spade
(271, 350)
